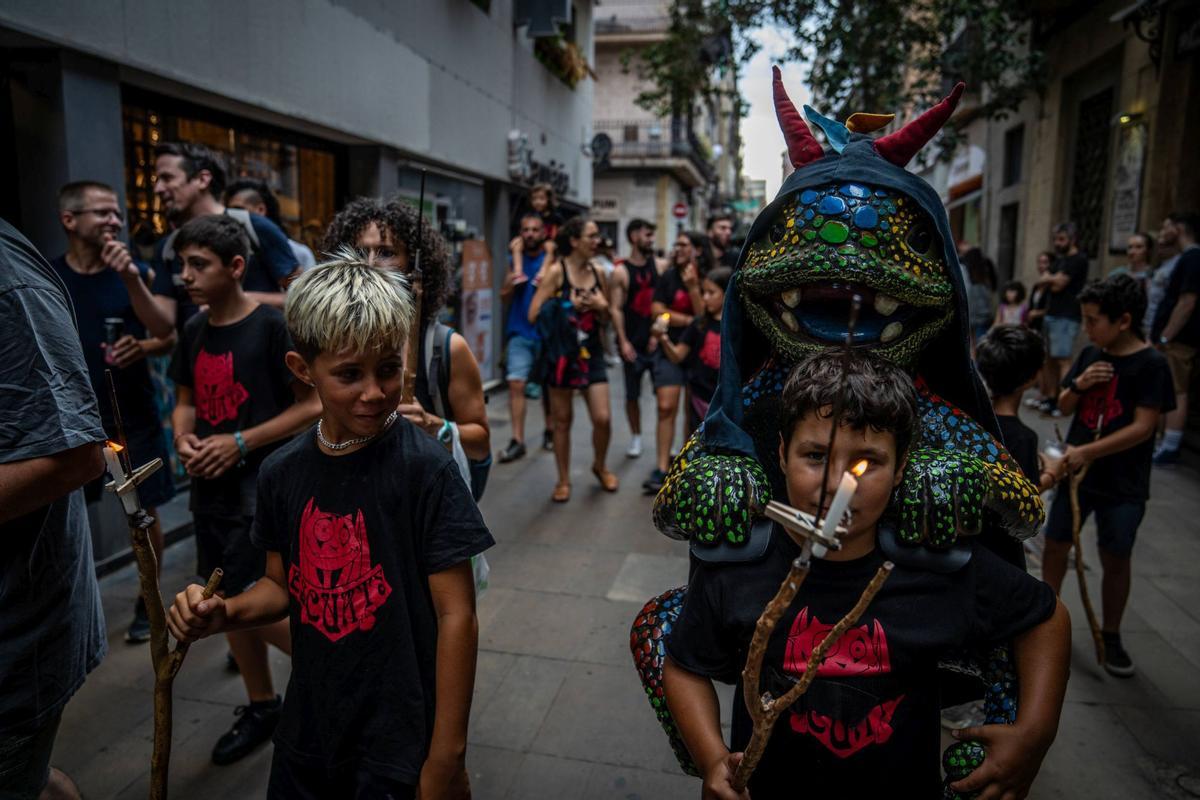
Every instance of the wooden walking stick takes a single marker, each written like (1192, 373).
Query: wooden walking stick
(765, 709)
(166, 662)
(412, 350)
(1076, 526)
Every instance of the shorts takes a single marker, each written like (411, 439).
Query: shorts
(1117, 521)
(25, 759)
(145, 444)
(666, 372)
(1180, 357)
(633, 375)
(224, 541)
(294, 780)
(1060, 336)
(519, 356)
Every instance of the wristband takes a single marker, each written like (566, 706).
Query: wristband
(1163, 340)
(445, 434)
(241, 444)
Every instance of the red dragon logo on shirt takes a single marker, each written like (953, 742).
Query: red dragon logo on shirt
(860, 652)
(643, 295)
(218, 395)
(710, 352)
(338, 590)
(1100, 405)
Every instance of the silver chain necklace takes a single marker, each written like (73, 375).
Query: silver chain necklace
(351, 442)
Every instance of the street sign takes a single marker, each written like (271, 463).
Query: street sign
(680, 210)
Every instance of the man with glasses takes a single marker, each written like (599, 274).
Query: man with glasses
(119, 325)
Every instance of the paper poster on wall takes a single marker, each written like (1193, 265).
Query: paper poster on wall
(476, 315)
(1127, 185)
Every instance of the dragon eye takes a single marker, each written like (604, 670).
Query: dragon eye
(920, 238)
(777, 233)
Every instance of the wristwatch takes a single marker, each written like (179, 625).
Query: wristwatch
(1073, 387)
(445, 434)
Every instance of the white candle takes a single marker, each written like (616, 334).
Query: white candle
(841, 501)
(113, 462)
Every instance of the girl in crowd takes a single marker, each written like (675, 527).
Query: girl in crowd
(570, 306)
(1039, 298)
(1140, 250)
(699, 348)
(678, 297)
(1012, 309)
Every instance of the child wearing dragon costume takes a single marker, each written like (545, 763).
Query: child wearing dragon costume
(849, 222)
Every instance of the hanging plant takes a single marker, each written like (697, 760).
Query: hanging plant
(564, 59)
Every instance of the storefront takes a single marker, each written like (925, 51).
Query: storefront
(307, 174)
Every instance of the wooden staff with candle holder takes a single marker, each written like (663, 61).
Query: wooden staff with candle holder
(817, 537)
(1076, 527)
(166, 661)
(412, 350)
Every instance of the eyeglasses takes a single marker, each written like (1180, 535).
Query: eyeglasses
(101, 212)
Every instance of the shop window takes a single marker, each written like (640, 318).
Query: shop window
(1089, 172)
(303, 177)
(1014, 146)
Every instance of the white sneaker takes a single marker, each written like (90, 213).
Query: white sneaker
(635, 447)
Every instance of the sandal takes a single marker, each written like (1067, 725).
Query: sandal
(608, 481)
(562, 493)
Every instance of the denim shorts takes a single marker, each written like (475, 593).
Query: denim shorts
(519, 356)
(25, 759)
(1117, 521)
(1060, 335)
(666, 372)
(633, 374)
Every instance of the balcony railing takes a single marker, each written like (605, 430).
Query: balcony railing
(662, 139)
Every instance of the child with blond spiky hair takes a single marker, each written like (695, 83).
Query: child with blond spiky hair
(369, 530)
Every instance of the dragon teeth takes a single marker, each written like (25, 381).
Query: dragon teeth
(790, 322)
(791, 298)
(891, 332)
(886, 305)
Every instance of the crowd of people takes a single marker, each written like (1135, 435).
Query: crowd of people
(401, 443)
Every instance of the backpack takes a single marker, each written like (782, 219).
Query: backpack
(437, 365)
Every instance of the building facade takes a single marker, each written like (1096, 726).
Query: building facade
(671, 171)
(324, 99)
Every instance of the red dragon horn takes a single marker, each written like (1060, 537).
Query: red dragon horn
(802, 147)
(901, 146)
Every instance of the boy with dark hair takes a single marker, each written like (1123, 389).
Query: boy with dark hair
(189, 183)
(1117, 389)
(1009, 358)
(235, 402)
(368, 530)
(870, 721)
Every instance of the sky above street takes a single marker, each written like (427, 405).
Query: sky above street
(762, 143)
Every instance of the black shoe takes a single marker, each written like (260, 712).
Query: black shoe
(231, 664)
(655, 481)
(139, 629)
(255, 724)
(547, 441)
(514, 451)
(1116, 661)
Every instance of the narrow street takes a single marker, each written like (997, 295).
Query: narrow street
(558, 710)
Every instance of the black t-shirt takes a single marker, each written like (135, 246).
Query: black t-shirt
(238, 379)
(359, 535)
(1139, 379)
(638, 299)
(869, 723)
(703, 337)
(1022, 444)
(1064, 304)
(673, 294)
(729, 258)
(1184, 280)
(97, 297)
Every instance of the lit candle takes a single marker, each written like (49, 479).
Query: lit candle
(113, 461)
(841, 500)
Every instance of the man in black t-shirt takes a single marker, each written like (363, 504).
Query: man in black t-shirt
(869, 722)
(633, 284)
(720, 234)
(1065, 280)
(189, 182)
(1118, 389)
(369, 531)
(1176, 329)
(114, 310)
(235, 403)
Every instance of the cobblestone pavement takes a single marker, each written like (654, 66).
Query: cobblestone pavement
(558, 710)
